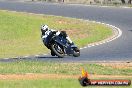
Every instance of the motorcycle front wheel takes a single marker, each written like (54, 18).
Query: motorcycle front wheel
(58, 50)
(76, 53)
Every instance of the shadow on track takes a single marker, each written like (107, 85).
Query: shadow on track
(130, 30)
(32, 58)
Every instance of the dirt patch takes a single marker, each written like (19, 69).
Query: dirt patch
(35, 76)
(62, 22)
(118, 65)
(76, 33)
(52, 76)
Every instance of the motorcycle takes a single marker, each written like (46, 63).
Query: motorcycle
(60, 47)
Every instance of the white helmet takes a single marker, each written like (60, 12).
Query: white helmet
(44, 27)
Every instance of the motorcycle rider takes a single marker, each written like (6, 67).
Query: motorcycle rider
(47, 34)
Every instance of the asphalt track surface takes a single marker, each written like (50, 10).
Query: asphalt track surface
(117, 50)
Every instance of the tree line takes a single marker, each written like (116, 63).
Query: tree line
(124, 2)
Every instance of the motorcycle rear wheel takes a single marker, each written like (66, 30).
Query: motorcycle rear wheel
(60, 53)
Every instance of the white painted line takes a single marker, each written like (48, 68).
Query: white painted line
(6, 58)
(26, 56)
(36, 55)
(107, 41)
(81, 48)
(114, 28)
(126, 7)
(100, 43)
(84, 47)
(89, 46)
(93, 45)
(97, 44)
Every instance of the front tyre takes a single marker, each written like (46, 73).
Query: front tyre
(76, 52)
(57, 50)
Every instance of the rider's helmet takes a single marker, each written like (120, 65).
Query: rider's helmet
(44, 28)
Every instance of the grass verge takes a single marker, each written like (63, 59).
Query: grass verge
(20, 32)
(48, 83)
(22, 67)
(55, 74)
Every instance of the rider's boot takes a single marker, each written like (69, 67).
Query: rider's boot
(52, 53)
(73, 45)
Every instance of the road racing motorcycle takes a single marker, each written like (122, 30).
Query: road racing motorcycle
(60, 47)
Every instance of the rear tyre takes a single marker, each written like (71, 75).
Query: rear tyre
(57, 50)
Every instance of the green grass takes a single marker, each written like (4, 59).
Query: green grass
(20, 32)
(48, 83)
(22, 67)
(130, 5)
